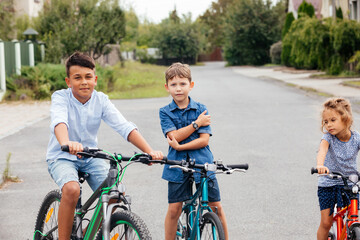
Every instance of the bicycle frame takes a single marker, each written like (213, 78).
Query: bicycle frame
(351, 211)
(102, 209)
(192, 207)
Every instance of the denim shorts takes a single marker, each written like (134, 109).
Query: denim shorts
(180, 192)
(65, 170)
(331, 196)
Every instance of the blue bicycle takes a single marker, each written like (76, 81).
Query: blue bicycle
(197, 220)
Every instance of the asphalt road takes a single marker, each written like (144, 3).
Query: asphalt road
(273, 127)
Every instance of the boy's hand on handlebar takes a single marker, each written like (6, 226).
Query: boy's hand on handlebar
(156, 155)
(75, 147)
(322, 169)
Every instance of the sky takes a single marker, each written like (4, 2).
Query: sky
(157, 10)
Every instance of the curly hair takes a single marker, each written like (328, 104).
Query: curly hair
(341, 106)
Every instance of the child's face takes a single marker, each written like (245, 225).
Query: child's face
(179, 89)
(333, 122)
(82, 82)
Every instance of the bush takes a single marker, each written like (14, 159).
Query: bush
(275, 52)
(326, 45)
(355, 62)
(307, 44)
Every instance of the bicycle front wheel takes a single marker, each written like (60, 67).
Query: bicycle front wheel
(46, 226)
(182, 232)
(211, 227)
(126, 225)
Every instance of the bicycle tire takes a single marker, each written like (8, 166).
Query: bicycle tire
(331, 236)
(182, 229)
(126, 225)
(355, 233)
(210, 226)
(46, 221)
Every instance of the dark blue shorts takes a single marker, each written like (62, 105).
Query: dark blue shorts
(331, 196)
(180, 192)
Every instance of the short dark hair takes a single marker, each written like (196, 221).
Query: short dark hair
(79, 59)
(178, 70)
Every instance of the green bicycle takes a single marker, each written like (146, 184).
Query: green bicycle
(105, 223)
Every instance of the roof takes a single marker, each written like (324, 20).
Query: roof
(30, 31)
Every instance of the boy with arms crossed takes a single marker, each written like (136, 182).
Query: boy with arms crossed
(76, 114)
(186, 126)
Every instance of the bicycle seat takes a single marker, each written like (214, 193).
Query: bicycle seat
(83, 176)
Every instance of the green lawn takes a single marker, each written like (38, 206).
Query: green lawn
(137, 80)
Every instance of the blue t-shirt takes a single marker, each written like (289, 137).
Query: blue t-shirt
(173, 118)
(83, 120)
(341, 157)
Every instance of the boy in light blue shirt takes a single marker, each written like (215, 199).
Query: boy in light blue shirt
(76, 114)
(186, 125)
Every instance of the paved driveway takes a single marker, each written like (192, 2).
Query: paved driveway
(272, 127)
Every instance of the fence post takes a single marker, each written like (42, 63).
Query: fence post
(17, 57)
(31, 53)
(42, 50)
(2, 70)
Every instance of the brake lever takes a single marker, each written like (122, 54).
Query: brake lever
(185, 169)
(231, 171)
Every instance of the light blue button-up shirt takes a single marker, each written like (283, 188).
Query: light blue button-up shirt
(83, 120)
(173, 118)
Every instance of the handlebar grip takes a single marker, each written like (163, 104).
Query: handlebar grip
(244, 166)
(173, 162)
(314, 170)
(65, 148)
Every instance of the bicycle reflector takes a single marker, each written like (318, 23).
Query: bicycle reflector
(48, 216)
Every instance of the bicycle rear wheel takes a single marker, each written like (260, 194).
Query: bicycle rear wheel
(46, 226)
(355, 233)
(211, 227)
(126, 225)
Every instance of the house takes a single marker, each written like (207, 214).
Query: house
(324, 8)
(28, 7)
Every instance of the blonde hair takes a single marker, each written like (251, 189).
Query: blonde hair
(178, 70)
(341, 106)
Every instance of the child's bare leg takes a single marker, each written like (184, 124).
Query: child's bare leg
(220, 212)
(69, 197)
(172, 216)
(325, 224)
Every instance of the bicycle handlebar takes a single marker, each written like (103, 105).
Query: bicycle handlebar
(185, 165)
(98, 153)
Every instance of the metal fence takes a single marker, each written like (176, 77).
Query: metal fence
(15, 54)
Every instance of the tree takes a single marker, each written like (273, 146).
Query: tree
(307, 9)
(177, 38)
(6, 19)
(80, 25)
(289, 19)
(212, 21)
(250, 32)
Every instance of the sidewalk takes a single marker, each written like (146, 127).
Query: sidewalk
(301, 78)
(15, 116)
